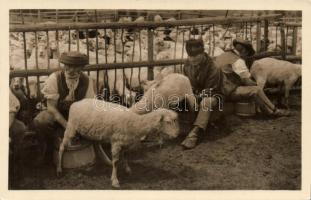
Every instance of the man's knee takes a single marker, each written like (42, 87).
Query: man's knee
(43, 119)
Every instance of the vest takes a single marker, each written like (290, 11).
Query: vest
(230, 79)
(204, 76)
(80, 92)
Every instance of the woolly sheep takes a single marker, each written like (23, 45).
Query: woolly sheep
(165, 93)
(273, 71)
(104, 121)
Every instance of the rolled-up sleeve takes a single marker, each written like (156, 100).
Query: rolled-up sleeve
(240, 68)
(50, 90)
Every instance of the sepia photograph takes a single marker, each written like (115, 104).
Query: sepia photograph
(155, 99)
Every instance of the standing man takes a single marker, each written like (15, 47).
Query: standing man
(226, 78)
(61, 89)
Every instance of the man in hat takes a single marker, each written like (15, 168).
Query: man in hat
(225, 78)
(205, 78)
(61, 89)
(237, 83)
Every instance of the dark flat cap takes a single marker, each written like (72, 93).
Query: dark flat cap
(247, 44)
(194, 47)
(74, 58)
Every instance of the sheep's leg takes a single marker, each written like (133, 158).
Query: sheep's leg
(261, 82)
(68, 135)
(115, 151)
(287, 87)
(126, 164)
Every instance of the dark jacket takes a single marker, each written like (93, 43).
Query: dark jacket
(206, 76)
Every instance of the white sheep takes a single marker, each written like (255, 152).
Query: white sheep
(276, 72)
(165, 93)
(104, 121)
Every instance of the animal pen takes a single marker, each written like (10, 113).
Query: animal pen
(132, 61)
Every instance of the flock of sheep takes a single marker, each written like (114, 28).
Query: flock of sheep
(119, 125)
(123, 46)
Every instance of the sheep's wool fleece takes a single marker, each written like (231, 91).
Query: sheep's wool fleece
(92, 118)
(275, 71)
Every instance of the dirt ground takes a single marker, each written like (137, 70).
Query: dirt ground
(248, 153)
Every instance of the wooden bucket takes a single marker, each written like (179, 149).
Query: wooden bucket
(245, 109)
(80, 155)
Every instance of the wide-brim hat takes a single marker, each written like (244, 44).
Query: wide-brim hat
(194, 47)
(74, 58)
(245, 43)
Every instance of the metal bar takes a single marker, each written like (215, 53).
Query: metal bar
(95, 67)
(283, 47)
(146, 24)
(294, 41)
(266, 34)
(258, 37)
(133, 55)
(37, 67)
(87, 47)
(164, 63)
(276, 36)
(140, 58)
(250, 32)
(48, 48)
(122, 58)
(115, 45)
(286, 38)
(209, 42)
(183, 47)
(175, 47)
(78, 38)
(69, 44)
(57, 43)
(25, 54)
(150, 53)
(246, 27)
(56, 13)
(214, 41)
(106, 61)
(242, 28)
(96, 51)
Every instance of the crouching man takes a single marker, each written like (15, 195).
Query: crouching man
(61, 89)
(226, 78)
(237, 83)
(205, 78)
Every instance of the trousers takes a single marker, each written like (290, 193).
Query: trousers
(209, 104)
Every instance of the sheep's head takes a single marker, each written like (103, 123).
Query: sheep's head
(168, 122)
(17, 83)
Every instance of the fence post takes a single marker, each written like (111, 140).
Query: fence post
(258, 37)
(294, 41)
(150, 49)
(283, 42)
(266, 32)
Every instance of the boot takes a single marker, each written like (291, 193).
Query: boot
(192, 138)
(280, 113)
